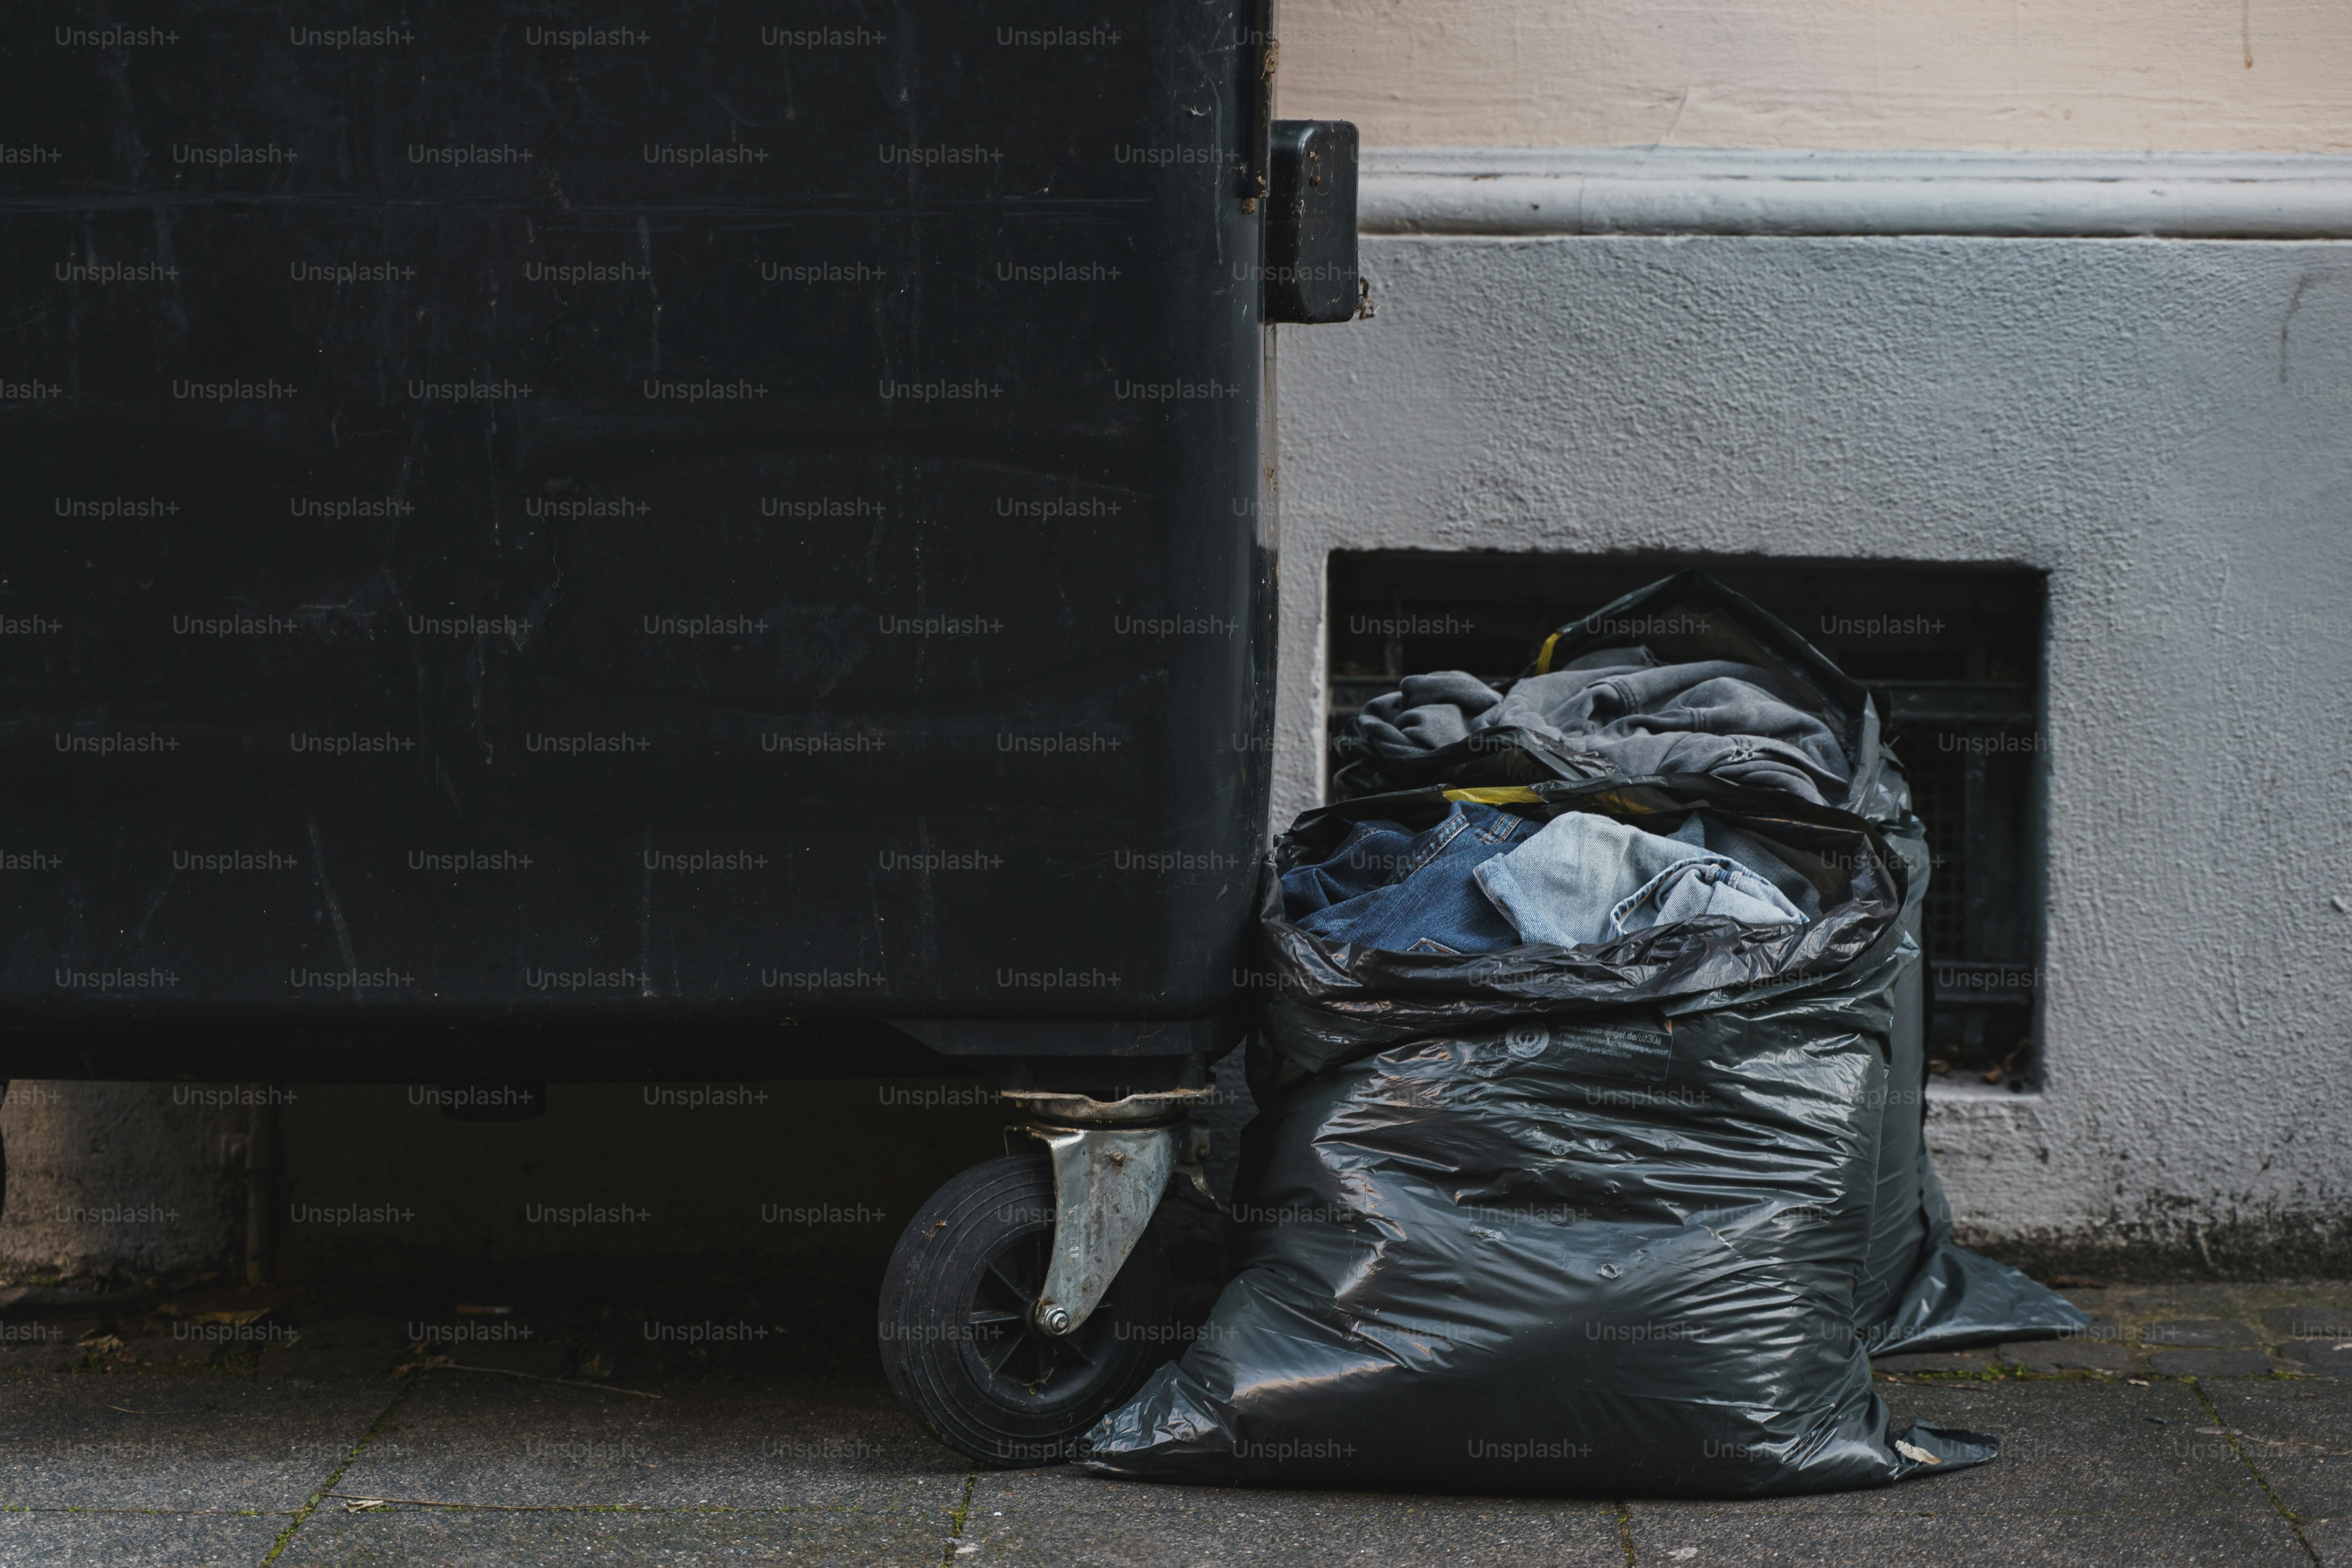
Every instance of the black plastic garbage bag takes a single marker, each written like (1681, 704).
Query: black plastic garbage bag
(1615, 1220)
(1562, 1220)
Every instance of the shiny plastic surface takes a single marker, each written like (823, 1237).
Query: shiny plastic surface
(1609, 1221)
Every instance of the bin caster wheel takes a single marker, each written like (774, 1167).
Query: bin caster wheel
(959, 1343)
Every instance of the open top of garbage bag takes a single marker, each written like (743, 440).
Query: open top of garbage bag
(1818, 734)
(1334, 1001)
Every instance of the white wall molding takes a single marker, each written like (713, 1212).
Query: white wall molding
(1514, 191)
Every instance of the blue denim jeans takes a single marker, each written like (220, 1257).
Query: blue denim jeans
(1586, 880)
(1410, 893)
(1372, 856)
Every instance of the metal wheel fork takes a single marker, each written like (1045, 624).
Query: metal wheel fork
(1112, 1160)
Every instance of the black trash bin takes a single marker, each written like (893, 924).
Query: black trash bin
(644, 529)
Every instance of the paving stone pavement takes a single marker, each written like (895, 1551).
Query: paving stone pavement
(311, 1430)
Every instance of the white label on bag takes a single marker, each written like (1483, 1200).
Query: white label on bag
(1618, 1050)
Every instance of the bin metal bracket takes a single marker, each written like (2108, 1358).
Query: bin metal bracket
(1309, 239)
(1107, 1182)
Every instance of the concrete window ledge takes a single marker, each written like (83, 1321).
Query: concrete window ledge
(1977, 1094)
(1515, 191)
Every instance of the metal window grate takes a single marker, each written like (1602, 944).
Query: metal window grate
(1938, 790)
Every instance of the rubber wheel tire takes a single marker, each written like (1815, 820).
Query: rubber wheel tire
(957, 1343)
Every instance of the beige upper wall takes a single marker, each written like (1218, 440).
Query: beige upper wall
(1996, 75)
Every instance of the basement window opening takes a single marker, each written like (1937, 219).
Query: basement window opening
(1953, 658)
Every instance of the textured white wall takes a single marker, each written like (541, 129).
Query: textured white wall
(2000, 75)
(2164, 427)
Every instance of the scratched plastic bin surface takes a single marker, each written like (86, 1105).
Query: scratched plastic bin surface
(678, 514)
